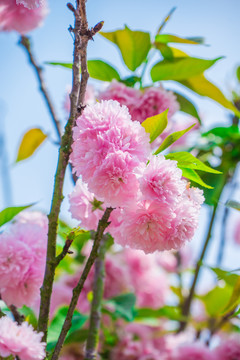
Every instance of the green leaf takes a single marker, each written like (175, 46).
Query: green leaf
(216, 300)
(29, 315)
(134, 45)
(169, 312)
(165, 50)
(131, 80)
(180, 68)
(170, 139)
(123, 306)
(235, 298)
(168, 38)
(238, 73)
(200, 85)
(187, 106)
(100, 70)
(187, 160)
(97, 69)
(8, 214)
(55, 327)
(224, 132)
(193, 176)
(31, 140)
(229, 277)
(233, 204)
(155, 125)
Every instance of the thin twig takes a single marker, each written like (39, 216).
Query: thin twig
(80, 49)
(102, 225)
(64, 252)
(188, 300)
(26, 43)
(220, 324)
(95, 316)
(166, 20)
(223, 236)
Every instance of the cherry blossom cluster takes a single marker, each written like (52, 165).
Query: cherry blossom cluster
(20, 340)
(155, 208)
(22, 15)
(22, 259)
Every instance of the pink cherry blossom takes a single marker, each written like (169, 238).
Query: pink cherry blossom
(17, 17)
(22, 258)
(85, 207)
(154, 101)
(237, 233)
(193, 351)
(161, 180)
(229, 349)
(30, 4)
(20, 340)
(144, 226)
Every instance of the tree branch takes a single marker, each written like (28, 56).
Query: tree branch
(80, 49)
(98, 288)
(19, 318)
(64, 252)
(26, 43)
(102, 225)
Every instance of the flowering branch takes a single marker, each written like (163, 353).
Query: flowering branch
(102, 225)
(95, 317)
(25, 42)
(76, 99)
(64, 252)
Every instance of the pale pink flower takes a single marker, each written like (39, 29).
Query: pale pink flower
(138, 263)
(161, 180)
(22, 258)
(193, 351)
(33, 217)
(168, 261)
(30, 4)
(229, 349)
(154, 101)
(15, 16)
(185, 222)
(85, 207)
(89, 98)
(237, 233)
(144, 226)
(114, 181)
(20, 340)
(123, 94)
(116, 277)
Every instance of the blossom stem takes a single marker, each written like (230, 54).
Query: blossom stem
(76, 99)
(26, 43)
(19, 318)
(102, 225)
(95, 316)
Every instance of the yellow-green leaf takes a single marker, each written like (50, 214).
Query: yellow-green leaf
(134, 45)
(180, 68)
(187, 106)
(235, 298)
(9, 213)
(193, 176)
(188, 161)
(31, 140)
(170, 139)
(155, 125)
(168, 38)
(203, 87)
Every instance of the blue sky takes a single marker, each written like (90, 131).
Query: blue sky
(22, 107)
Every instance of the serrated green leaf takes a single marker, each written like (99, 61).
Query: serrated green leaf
(180, 68)
(193, 176)
(170, 139)
(168, 38)
(155, 125)
(9, 213)
(98, 69)
(200, 85)
(133, 45)
(187, 106)
(31, 140)
(188, 161)
(233, 204)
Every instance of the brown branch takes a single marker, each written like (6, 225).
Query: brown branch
(102, 225)
(19, 318)
(64, 252)
(95, 316)
(26, 43)
(220, 324)
(80, 49)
